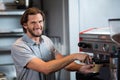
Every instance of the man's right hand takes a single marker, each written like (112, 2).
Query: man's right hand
(84, 58)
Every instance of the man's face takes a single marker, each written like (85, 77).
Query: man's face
(34, 26)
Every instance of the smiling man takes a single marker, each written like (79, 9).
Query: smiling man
(34, 54)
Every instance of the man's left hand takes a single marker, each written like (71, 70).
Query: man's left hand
(86, 68)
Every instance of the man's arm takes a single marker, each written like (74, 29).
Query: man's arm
(83, 68)
(54, 65)
(72, 66)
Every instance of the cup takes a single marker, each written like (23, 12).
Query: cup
(97, 68)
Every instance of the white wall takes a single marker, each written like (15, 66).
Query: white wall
(95, 13)
(73, 29)
(85, 14)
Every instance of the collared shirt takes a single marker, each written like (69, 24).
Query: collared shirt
(25, 49)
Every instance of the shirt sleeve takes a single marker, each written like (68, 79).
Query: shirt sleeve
(50, 44)
(21, 54)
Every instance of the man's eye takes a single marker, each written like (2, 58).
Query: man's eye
(33, 22)
(40, 21)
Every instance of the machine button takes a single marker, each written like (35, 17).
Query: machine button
(105, 47)
(84, 45)
(96, 46)
(114, 49)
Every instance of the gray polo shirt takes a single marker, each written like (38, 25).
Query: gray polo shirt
(25, 49)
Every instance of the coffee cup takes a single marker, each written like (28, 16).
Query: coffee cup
(97, 68)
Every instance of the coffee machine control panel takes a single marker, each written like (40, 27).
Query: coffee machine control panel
(97, 44)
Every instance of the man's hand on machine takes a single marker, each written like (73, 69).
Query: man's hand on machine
(84, 58)
(86, 68)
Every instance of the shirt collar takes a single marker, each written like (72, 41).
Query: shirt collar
(29, 40)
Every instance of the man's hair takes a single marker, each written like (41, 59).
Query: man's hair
(30, 11)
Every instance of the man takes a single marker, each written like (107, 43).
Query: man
(34, 54)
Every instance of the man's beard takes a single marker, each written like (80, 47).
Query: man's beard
(35, 35)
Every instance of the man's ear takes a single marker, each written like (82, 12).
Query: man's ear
(25, 25)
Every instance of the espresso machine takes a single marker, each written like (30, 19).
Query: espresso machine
(97, 43)
(104, 44)
(114, 25)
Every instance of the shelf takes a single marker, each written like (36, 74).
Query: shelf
(7, 64)
(5, 49)
(11, 12)
(11, 34)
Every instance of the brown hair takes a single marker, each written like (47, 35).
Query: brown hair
(30, 11)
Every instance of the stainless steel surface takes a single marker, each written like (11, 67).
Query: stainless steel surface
(97, 41)
(114, 25)
(113, 68)
(115, 65)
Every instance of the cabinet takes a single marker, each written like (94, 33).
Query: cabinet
(9, 12)
(10, 28)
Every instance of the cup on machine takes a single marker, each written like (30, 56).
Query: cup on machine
(98, 62)
(96, 67)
